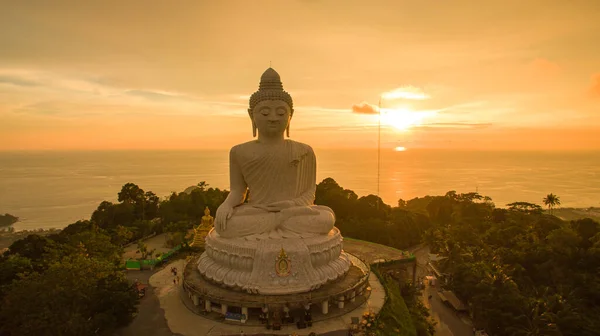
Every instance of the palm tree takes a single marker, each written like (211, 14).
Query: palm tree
(551, 201)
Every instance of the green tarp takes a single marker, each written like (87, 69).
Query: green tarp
(132, 264)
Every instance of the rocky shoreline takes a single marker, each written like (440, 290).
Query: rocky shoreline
(8, 220)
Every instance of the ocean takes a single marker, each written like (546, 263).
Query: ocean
(54, 189)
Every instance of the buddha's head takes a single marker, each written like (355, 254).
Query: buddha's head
(271, 108)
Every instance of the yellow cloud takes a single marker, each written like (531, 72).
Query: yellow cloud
(406, 92)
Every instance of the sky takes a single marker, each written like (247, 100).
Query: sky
(486, 75)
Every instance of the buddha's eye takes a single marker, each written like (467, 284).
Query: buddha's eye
(281, 111)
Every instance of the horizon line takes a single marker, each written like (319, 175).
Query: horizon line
(391, 149)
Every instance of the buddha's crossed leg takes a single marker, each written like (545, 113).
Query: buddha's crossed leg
(292, 222)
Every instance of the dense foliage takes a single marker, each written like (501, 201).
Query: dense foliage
(522, 272)
(140, 213)
(368, 218)
(394, 318)
(69, 283)
(78, 295)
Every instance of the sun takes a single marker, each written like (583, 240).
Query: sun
(400, 149)
(401, 118)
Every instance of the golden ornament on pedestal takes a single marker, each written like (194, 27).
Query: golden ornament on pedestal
(202, 230)
(283, 264)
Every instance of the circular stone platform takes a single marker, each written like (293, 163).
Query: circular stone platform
(214, 301)
(275, 265)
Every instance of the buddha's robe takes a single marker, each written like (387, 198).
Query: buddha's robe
(272, 174)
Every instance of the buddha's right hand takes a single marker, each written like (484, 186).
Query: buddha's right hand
(224, 212)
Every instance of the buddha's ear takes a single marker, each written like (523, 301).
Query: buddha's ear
(250, 112)
(287, 129)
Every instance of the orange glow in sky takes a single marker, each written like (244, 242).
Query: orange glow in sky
(403, 119)
(507, 75)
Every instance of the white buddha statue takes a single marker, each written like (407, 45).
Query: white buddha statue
(279, 241)
(279, 173)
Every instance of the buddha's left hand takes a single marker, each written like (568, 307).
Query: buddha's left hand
(277, 206)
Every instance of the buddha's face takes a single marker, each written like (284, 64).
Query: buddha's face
(271, 117)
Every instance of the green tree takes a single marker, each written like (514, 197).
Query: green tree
(440, 209)
(11, 267)
(177, 232)
(108, 215)
(142, 248)
(35, 248)
(525, 207)
(407, 228)
(77, 227)
(76, 296)
(130, 193)
(371, 206)
(586, 228)
(520, 271)
(83, 236)
(121, 235)
(142, 228)
(202, 185)
(97, 245)
(150, 204)
(341, 201)
(551, 201)
(542, 226)
(401, 203)
(145, 204)
(190, 206)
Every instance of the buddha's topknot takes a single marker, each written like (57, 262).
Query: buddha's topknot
(270, 88)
